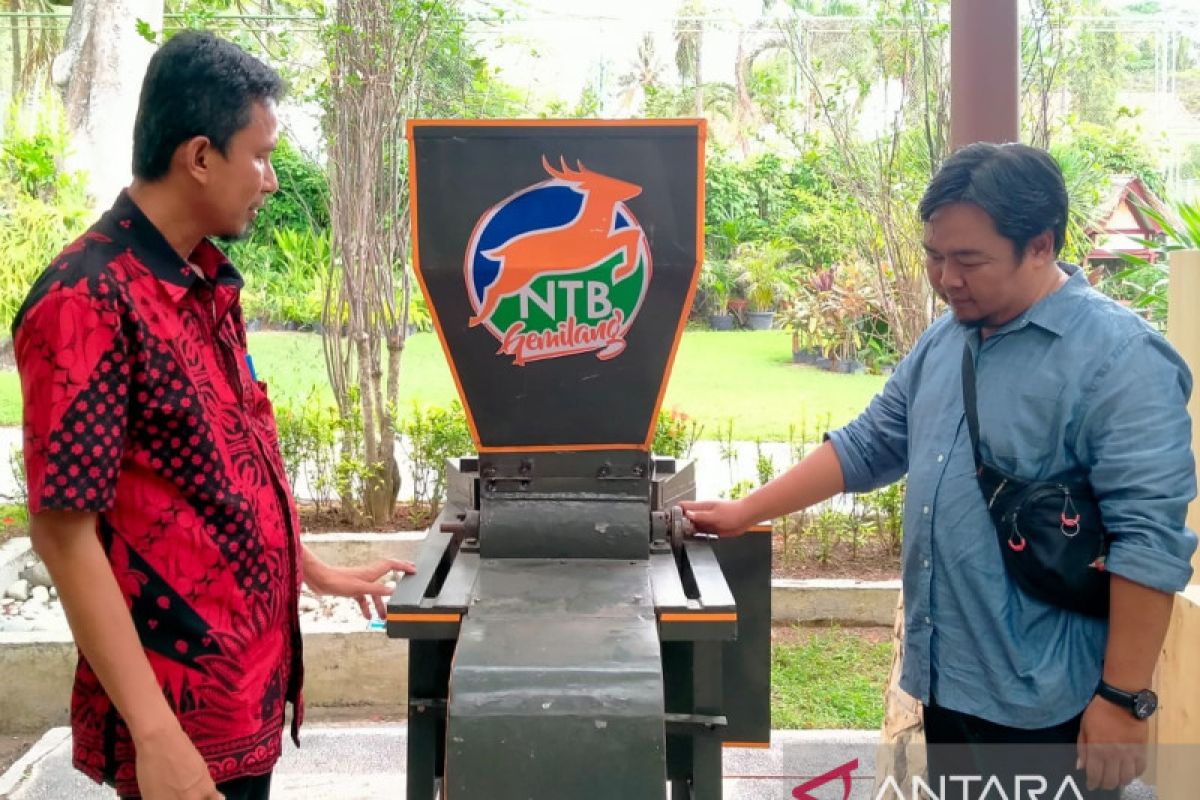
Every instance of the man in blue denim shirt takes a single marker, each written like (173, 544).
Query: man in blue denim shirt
(1067, 380)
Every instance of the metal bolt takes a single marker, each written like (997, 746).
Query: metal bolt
(526, 466)
(489, 471)
(639, 470)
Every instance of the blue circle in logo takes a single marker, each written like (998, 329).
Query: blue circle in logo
(549, 205)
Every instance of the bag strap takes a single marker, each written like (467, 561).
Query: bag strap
(968, 389)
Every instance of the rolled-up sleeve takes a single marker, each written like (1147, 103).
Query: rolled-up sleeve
(1137, 435)
(873, 449)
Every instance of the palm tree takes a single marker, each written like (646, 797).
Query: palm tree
(689, 45)
(645, 73)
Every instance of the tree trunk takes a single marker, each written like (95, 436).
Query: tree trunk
(901, 752)
(100, 74)
(377, 52)
(14, 6)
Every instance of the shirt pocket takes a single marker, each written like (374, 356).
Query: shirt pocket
(1024, 434)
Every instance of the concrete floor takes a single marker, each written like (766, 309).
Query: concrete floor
(363, 762)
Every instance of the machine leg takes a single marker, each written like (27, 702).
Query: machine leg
(681, 789)
(706, 694)
(428, 677)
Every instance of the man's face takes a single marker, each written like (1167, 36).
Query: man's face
(243, 177)
(976, 271)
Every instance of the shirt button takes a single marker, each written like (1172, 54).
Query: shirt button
(941, 458)
(928, 621)
(925, 510)
(925, 563)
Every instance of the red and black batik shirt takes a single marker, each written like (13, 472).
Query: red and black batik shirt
(139, 405)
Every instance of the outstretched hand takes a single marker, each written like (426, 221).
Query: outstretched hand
(720, 517)
(362, 583)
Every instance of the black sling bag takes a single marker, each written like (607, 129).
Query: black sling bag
(1050, 533)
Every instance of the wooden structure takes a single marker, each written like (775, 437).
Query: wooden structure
(1120, 225)
(1177, 772)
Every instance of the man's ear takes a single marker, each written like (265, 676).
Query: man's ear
(1040, 248)
(194, 158)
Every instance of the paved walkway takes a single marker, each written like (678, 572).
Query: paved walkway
(361, 763)
(366, 762)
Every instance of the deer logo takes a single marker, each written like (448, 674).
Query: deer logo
(560, 267)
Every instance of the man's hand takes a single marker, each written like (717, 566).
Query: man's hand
(1112, 745)
(170, 768)
(361, 583)
(722, 517)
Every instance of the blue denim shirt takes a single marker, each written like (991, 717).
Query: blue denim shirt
(1075, 381)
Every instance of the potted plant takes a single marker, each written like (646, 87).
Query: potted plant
(767, 279)
(719, 281)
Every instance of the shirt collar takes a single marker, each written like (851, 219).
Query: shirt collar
(127, 225)
(1052, 313)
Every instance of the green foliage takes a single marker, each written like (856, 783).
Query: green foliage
(769, 198)
(287, 277)
(286, 254)
(1144, 283)
(302, 201)
(1089, 157)
(675, 434)
(720, 281)
(41, 209)
(1095, 67)
(767, 274)
(433, 435)
(308, 444)
(831, 679)
(14, 520)
(16, 463)
(886, 507)
(764, 466)
(1190, 168)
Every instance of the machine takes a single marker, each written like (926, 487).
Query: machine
(568, 634)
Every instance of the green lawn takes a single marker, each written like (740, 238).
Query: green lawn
(747, 377)
(10, 399)
(750, 378)
(830, 679)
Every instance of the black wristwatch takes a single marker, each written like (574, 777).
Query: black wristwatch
(1141, 704)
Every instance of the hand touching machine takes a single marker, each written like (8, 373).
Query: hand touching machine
(568, 636)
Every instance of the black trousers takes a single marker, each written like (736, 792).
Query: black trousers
(257, 787)
(966, 752)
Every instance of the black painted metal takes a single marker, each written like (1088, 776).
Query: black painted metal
(462, 174)
(568, 635)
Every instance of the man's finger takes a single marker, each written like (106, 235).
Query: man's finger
(1112, 769)
(1093, 764)
(380, 609)
(362, 606)
(1140, 762)
(1129, 769)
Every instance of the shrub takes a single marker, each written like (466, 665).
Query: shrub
(41, 209)
(432, 435)
(675, 434)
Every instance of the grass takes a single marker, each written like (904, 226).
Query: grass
(830, 679)
(746, 377)
(750, 378)
(10, 399)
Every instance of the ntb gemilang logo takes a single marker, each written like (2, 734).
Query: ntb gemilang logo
(560, 267)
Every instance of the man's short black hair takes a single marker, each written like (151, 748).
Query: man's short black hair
(1020, 187)
(196, 85)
